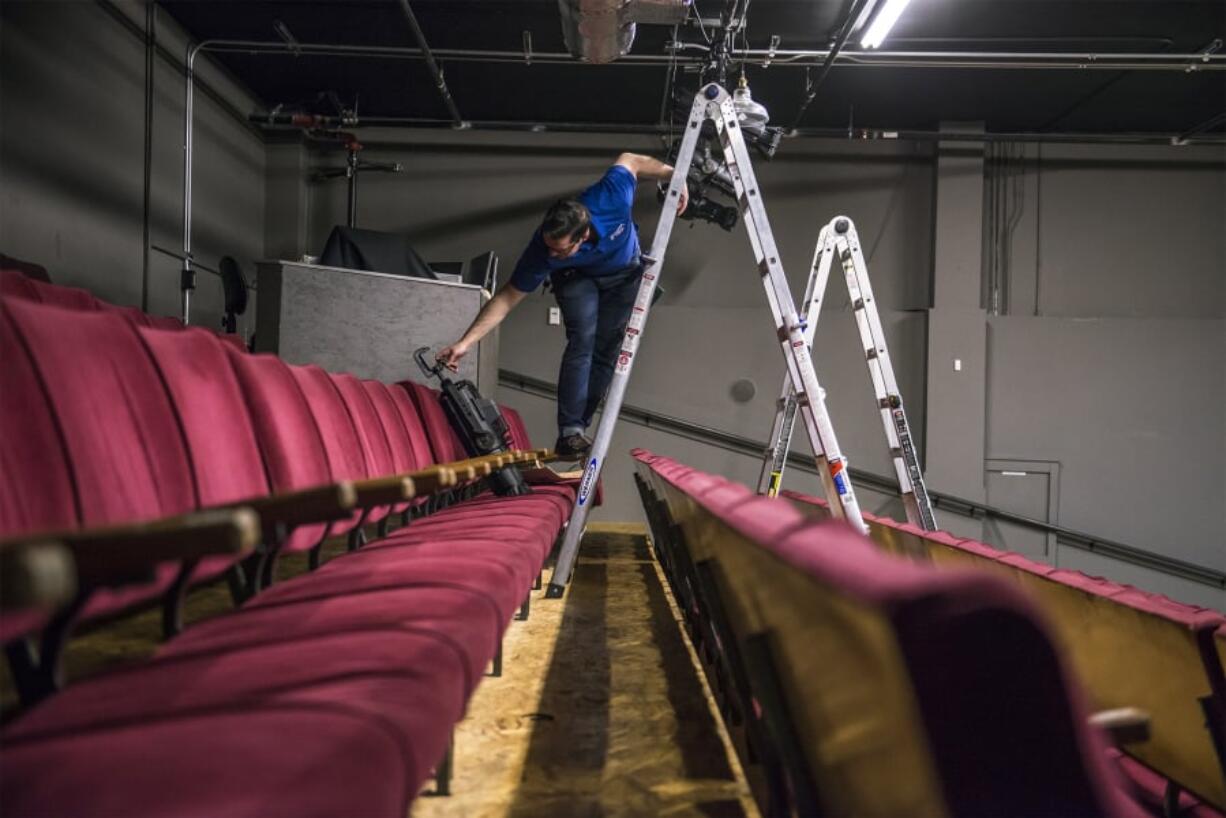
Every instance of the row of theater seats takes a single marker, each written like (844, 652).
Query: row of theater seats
(1128, 647)
(865, 680)
(17, 284)
(163, 458)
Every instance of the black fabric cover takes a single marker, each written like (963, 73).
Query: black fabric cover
(357, 249)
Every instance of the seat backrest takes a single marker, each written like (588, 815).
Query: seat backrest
(133, 314)
(17, 284)
(216, 423)
(406, 408)
(375, 446)
(346, 460)
(340, 436)
(123, 441)
(73, 298)
(373, 439)
(233, 340)
(36, 491)
(290, 443)
(519, 431)
(405, 457)
(164, 321)
(444, 442)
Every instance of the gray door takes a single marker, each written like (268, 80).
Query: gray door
(1027, 489)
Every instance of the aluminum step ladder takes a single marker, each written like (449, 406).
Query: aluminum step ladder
(714, 104)
(839, 240)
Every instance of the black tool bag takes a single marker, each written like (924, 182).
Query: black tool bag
(478, 423)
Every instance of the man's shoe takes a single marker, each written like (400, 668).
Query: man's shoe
(575, 446)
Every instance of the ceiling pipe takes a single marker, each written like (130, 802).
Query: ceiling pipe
(295, 122)
(435, 71)
(1080, 61)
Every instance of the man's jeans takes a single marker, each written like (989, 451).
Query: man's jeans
(595, 312)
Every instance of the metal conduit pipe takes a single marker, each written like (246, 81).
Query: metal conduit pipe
(435, 72)
(187, 280)
(291, 121)
(1081, 61)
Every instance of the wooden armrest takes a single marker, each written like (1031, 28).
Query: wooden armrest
(433, 480)
(463, 470)
(384, 491)
(314, 505)
(547, 475)
(35, 575)
(475, 462)
(122, 554)
(1123, 725)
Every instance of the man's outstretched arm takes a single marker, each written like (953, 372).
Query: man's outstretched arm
(645, 167)
(490, 316)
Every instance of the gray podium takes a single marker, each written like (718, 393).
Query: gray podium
(367, 323)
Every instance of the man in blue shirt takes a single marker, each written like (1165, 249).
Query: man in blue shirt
(589, 249)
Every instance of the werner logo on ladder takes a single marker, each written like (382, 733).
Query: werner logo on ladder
(713, 104)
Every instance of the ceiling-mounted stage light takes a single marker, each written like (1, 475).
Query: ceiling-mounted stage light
(752, 115)
(883, 22)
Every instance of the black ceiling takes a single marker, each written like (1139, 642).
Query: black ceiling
(1103, 101)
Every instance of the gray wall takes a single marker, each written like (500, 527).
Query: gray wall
(72, 157)
(1106, 359)
(466, 192)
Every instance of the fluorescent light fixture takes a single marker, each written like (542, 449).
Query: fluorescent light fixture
(883, 22)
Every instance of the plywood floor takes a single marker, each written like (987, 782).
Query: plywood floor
(601, 710)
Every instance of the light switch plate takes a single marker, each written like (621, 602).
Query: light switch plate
(555, 316)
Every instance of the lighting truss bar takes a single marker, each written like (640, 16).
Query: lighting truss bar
(776, 57)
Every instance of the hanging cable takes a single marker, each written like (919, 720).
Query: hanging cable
(849, 22)
(666, 102)
(698, 18)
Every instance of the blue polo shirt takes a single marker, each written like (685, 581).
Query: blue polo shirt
(614, 248)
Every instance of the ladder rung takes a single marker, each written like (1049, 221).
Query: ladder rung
(858, 305)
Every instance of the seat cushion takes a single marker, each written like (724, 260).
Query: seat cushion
(295, 758)
(424, 664)
(467, 617)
